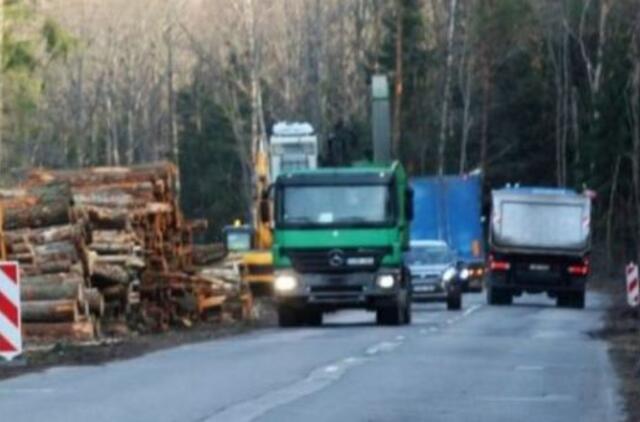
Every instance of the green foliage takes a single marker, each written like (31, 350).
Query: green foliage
(58, 42)
(29, 43)
(209, 165)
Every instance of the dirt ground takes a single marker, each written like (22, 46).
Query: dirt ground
(622, 331)
(42, 356)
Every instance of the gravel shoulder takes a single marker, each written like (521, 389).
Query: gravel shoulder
(622, 331)
(39, 357)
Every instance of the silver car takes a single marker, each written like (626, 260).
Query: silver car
(436, 275)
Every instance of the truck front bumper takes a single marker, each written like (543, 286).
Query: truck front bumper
(341, 290)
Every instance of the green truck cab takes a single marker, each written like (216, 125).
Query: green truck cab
(339, 239)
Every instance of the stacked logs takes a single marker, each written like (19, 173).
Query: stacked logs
(45, 235)
(140, 246)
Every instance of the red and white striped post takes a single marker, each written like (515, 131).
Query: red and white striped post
(10, 330)
(633, 292)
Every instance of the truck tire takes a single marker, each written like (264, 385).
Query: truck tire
(579, 300)
(390, 315)
(313, 318)
(498, 296)
(288, 317)
(407, 313)
(454, 302)
(563, 300)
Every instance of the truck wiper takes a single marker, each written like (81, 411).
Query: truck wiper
(354, 220)
(299, 220)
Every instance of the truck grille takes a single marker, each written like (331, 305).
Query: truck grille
(336, 289)
(336, 260)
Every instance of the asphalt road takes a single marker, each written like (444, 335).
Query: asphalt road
(527, 362)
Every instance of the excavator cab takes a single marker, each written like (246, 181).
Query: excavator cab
(255, 264)
(238, 238)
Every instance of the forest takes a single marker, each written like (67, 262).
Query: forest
(536, 92)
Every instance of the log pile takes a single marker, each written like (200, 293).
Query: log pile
(48, 238)
(140, 254)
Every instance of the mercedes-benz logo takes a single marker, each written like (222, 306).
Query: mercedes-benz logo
(336, 258)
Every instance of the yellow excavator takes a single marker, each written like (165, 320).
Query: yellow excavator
(291, 145)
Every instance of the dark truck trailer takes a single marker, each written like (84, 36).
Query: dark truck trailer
(540, 240)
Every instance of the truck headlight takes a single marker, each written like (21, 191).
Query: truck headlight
(385, 281)
(285, 283)
(465, 273)
(449, 274)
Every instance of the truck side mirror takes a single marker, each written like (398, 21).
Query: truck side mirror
(409, 204)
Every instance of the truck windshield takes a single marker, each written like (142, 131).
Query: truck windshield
(429, 255)
(336, 205)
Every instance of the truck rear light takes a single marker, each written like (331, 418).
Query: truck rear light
(499, 266)
(578, 269)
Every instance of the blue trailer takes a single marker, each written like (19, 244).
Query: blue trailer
(449, 208)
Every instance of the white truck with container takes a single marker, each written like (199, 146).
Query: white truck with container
(293, 146)
(539, 241)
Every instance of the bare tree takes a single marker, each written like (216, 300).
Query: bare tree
(444, 118)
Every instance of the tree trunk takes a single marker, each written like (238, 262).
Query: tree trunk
(53, 279)
(635, 133)
(610, 213)
(398, 77)
(444, 118)
(48, 292)
(96, 302)
(105, 274)
(45, 235)
(50, 311)
(73, 331)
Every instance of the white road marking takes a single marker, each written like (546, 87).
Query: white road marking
(317, 380)
(544, 398)
(27, 391)
(471, 310)
(385, 346)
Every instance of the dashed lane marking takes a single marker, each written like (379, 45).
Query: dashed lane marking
(317, 380)
(542, 398)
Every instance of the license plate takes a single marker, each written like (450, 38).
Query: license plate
(539, 267)
(424, 288)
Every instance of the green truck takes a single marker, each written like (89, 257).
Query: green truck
(339, 239)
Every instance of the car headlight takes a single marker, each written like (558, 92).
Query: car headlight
(449, 274)
(385, 281)
(465, 274)
(285, 283)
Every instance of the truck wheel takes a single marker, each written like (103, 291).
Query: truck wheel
(564, 300)
(498, 297)
(407, 312)
(287, 317)
(577, 300)
(391, 315)
(313, 318)
(454, 303)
